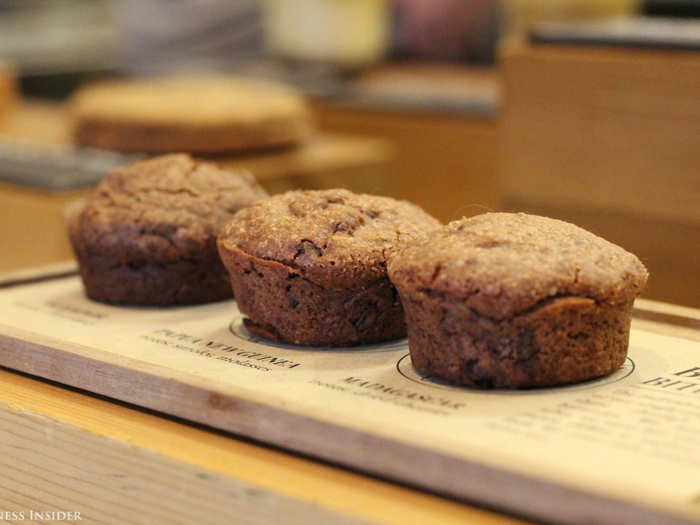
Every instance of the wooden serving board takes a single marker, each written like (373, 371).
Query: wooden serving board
(621, 449)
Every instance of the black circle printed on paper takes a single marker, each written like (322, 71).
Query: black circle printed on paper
(405, 368)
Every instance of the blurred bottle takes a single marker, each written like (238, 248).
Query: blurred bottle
(186, 35)
(349, 33)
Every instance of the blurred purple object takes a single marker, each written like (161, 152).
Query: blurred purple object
(446, 29)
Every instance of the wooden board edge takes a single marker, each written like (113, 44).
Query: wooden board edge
(667, 319)
(667, 312)
(121, 482)
(39, 273)
(466, 480)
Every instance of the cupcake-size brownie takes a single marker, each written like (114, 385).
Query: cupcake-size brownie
(515, 300)
(147, 236)
(310, 267)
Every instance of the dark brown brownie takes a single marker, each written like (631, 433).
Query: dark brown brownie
(515, 300)
(147, 236)
(310, 267)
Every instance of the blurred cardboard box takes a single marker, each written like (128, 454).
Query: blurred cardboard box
(8, 88)
(609, 138)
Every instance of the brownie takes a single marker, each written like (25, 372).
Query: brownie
(309, 267)
(516, 300)
(147, 235)
(203, 115)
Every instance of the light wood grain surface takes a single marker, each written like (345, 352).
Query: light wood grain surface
(112, 461)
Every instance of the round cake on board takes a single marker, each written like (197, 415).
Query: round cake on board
(309, 267)
(147, 236)
(516, 300)
(204, 115)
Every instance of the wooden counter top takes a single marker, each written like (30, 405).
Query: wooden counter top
(428, 88)
(119, 464)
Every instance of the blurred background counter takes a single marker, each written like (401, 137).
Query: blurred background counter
(328, 160)
(609, 139)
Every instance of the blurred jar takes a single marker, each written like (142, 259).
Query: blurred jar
(349, 33)
(522, 15)
(453, 30)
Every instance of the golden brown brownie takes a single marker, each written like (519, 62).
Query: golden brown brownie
(211, 114)
(310, 267)
(147, 236)
(516, 300)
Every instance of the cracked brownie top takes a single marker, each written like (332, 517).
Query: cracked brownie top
(502, 264)
(334, 238)
(166, 208)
